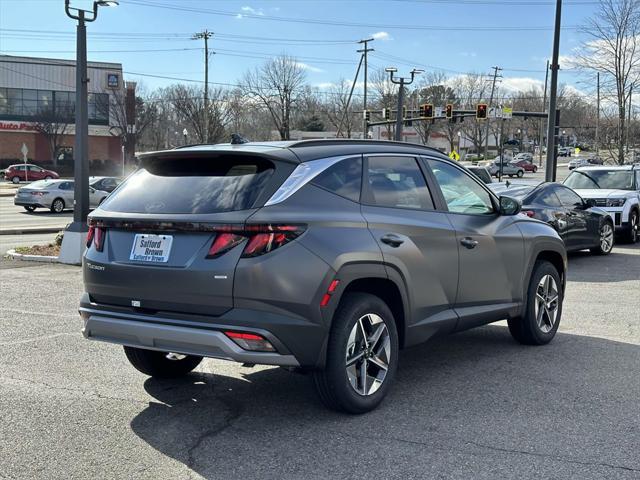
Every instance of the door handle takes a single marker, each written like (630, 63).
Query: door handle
(469, 243)
(392, 240)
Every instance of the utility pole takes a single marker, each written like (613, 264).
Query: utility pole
(553, 97)
(597, 113)
(205, 35)
(401, 81)
(346, 107)
(364, 51)
(544, 106)
(486, 133)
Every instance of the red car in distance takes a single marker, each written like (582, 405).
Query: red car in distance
(526, 164)
(28, 172)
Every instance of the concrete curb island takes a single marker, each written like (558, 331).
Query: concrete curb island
(32, 258)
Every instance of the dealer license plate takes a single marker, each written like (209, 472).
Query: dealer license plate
(151, 248)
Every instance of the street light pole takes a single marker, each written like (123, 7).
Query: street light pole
(402, 81)
(552, 133)
(73, 243)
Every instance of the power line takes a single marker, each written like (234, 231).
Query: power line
(227, 13)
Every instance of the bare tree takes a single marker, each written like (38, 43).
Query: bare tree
(53, 124)
(276, 86)
(130, 130)
(470, 89)
(385, 95)
(188, 103)
(335, 107)
(613, 49)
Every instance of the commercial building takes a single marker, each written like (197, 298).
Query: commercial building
(37, 108)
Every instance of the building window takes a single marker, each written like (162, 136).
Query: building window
(26, 105)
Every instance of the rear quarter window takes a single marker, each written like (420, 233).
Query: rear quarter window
(192, 186)
(344, 178)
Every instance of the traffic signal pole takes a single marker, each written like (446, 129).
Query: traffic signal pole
(552, 143)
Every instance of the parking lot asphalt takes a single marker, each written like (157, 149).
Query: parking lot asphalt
(474, 405)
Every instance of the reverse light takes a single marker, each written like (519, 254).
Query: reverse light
(251, 341)
(90, 234)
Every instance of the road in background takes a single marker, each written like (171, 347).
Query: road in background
(14, 217)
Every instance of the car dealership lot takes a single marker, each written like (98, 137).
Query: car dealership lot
(472, 405)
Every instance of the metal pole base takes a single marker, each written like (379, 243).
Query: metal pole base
(73, 245)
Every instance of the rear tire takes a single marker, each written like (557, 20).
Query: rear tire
(357, 321)
(29, 208)
(158, 365)
(605, 239)
(535, 169)
(541, 319)
(48, 177)
(520, 173)
(15, 180)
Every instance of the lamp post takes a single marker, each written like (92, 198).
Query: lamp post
(402, 82)
(73, 243)
(459, 135)
(184, 134)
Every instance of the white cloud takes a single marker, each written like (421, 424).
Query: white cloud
(310, 68)
(252, 10)
(384, 36)
(521, 84)
(468, 54)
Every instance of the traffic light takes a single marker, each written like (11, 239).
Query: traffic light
(481, 111)
(421, 111)
(367, 115)
(386, 113)
(426, 110)
(449, 110)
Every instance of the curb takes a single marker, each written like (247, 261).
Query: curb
(32, 258)
(26, 231)
(10, 194)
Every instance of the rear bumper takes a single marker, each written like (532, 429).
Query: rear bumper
(297, 342)
(26, 202)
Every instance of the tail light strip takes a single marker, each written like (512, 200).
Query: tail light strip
(261, 239)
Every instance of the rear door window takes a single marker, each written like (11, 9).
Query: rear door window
(192, 185)
(397, 182)
(545, 197)
(568, 198)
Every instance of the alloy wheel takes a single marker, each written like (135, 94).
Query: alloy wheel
(633, 224)
(58, 206)
(546, 303)
(368, 354)
(606, 238)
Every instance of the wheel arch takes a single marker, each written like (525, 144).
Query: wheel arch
(373, 279)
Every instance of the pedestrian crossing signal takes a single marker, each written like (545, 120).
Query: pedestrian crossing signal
(449, 110)
(481, 111)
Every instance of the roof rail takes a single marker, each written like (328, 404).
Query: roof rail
(346, 141)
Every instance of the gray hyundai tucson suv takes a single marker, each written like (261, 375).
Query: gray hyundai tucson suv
(325, 256)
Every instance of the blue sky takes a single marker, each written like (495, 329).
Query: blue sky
(148, 38)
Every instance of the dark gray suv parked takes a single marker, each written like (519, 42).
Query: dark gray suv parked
(323, 256)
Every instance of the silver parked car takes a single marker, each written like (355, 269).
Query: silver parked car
(508, 168)
(55, 195)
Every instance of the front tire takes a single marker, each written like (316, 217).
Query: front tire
(605, 239)
(634, 227)
(57, 206)
(15, 180)
(535, 169)
(161, 364)
(541, 319)
(362, 355)
(520, 173)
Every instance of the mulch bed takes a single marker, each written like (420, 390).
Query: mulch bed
(48, 250)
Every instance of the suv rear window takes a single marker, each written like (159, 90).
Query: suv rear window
(192, 185)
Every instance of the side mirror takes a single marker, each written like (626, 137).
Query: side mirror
(509, 206)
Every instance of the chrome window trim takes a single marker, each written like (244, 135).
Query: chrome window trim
(303, 174)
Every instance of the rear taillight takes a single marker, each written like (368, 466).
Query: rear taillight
(251, 341)
(261, 239)
(529, 213)
(223, 243)
(39, 194)
(98, 238)
(90, 234)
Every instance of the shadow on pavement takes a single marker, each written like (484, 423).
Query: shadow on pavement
(621, 265)
(467, 403)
